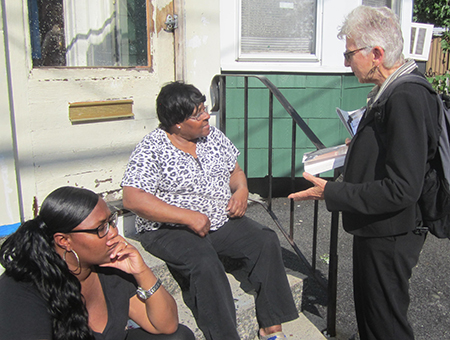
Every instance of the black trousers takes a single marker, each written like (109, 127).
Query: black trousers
(382, 267)
(197, 259)
(182, 333)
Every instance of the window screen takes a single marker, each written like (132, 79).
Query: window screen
(377, 3)
(278, 27)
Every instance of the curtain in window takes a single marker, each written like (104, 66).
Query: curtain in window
(89, 32)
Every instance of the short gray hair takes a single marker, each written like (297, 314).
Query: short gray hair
(370, 26)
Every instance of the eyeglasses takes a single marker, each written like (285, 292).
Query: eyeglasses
(199, 114)
(103, 229)
(348, 55)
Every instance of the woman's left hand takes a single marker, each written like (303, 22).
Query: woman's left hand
(314, 193)
(237, 205)
(125, 256)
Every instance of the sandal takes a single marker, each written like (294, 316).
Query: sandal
(273, 336)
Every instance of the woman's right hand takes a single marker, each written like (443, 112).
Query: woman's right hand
(199, 223)
(125, 256)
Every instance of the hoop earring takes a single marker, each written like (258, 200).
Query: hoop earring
(78, 270)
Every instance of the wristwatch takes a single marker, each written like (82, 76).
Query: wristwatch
(145, 294)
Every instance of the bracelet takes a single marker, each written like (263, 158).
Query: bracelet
(145, 294)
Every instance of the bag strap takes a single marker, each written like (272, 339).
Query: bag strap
(408, 78)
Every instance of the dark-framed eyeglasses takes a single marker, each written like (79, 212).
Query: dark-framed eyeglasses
(103, 229)
(199, 114)
(348, 55)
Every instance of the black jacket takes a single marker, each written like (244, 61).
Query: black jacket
(386, 163)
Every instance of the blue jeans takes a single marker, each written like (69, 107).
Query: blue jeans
(197, 259)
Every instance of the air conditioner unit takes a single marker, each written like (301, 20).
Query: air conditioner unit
(420, 42)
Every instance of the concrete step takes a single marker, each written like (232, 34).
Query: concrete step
(298, 329)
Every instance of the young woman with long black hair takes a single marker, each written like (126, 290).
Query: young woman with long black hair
(69, 275)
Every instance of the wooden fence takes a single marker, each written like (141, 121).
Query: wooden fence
(438, 61)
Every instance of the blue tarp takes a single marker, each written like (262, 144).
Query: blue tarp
(6, 230)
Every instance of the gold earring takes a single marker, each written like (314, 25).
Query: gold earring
(78, 270)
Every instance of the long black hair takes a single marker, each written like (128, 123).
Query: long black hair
(29, 255)
(176, 102)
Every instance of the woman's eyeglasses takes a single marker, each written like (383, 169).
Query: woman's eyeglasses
(103, 229)
(348, 55)
(199, 114)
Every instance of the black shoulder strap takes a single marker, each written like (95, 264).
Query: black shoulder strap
(408, 78)
(443, 117)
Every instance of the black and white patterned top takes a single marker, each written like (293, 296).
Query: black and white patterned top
(176, 177)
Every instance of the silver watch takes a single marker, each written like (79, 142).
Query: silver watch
(145, 294)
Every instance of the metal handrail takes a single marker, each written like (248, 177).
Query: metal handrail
(218, 98)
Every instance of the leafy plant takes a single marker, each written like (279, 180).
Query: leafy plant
(325, 258)
(441, 83)
(435, 12)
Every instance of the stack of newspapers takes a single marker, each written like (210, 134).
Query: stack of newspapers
(322, 160)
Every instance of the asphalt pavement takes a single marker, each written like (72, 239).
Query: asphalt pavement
(429, 311)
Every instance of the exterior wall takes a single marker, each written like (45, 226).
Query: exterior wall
(329, 58)
(52, 151)
(9, 198)
(202, 55)
(46, 150)
(315, 98)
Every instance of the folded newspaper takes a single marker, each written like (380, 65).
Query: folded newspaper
(351, 119)
(322, 160)
(316, 162)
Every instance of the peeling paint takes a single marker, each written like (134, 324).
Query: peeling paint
(100, 181)
(4, 170)
(205, 21)
(161, 16)
(79, 173)
(194, 42)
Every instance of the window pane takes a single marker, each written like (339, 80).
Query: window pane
(287, 27)
(88, 33)
(377, 3)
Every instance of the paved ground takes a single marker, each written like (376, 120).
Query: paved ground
(430, 284)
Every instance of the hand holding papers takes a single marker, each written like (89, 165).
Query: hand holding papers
(316, 162)
(351, 119)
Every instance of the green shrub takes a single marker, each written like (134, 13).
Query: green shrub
(441, 83)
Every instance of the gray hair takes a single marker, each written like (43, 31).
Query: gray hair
(370, 26)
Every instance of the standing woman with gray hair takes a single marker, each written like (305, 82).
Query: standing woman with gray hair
(383, 175)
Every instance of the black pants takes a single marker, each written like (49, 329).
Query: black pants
(182, 333)
(382, 267)
(197, 259)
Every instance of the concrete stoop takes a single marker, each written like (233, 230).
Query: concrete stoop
(299, 329)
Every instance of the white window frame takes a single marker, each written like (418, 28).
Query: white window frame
(328, 56)
(425, 42)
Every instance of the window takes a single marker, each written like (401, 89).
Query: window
(88, 33)
(392, 4)
(277, 29)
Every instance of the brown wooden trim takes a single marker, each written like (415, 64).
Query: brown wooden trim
(101, 110)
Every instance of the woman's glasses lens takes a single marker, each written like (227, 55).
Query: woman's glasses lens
(103, 230)
(199, 114)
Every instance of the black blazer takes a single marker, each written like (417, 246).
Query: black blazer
(386, 163)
